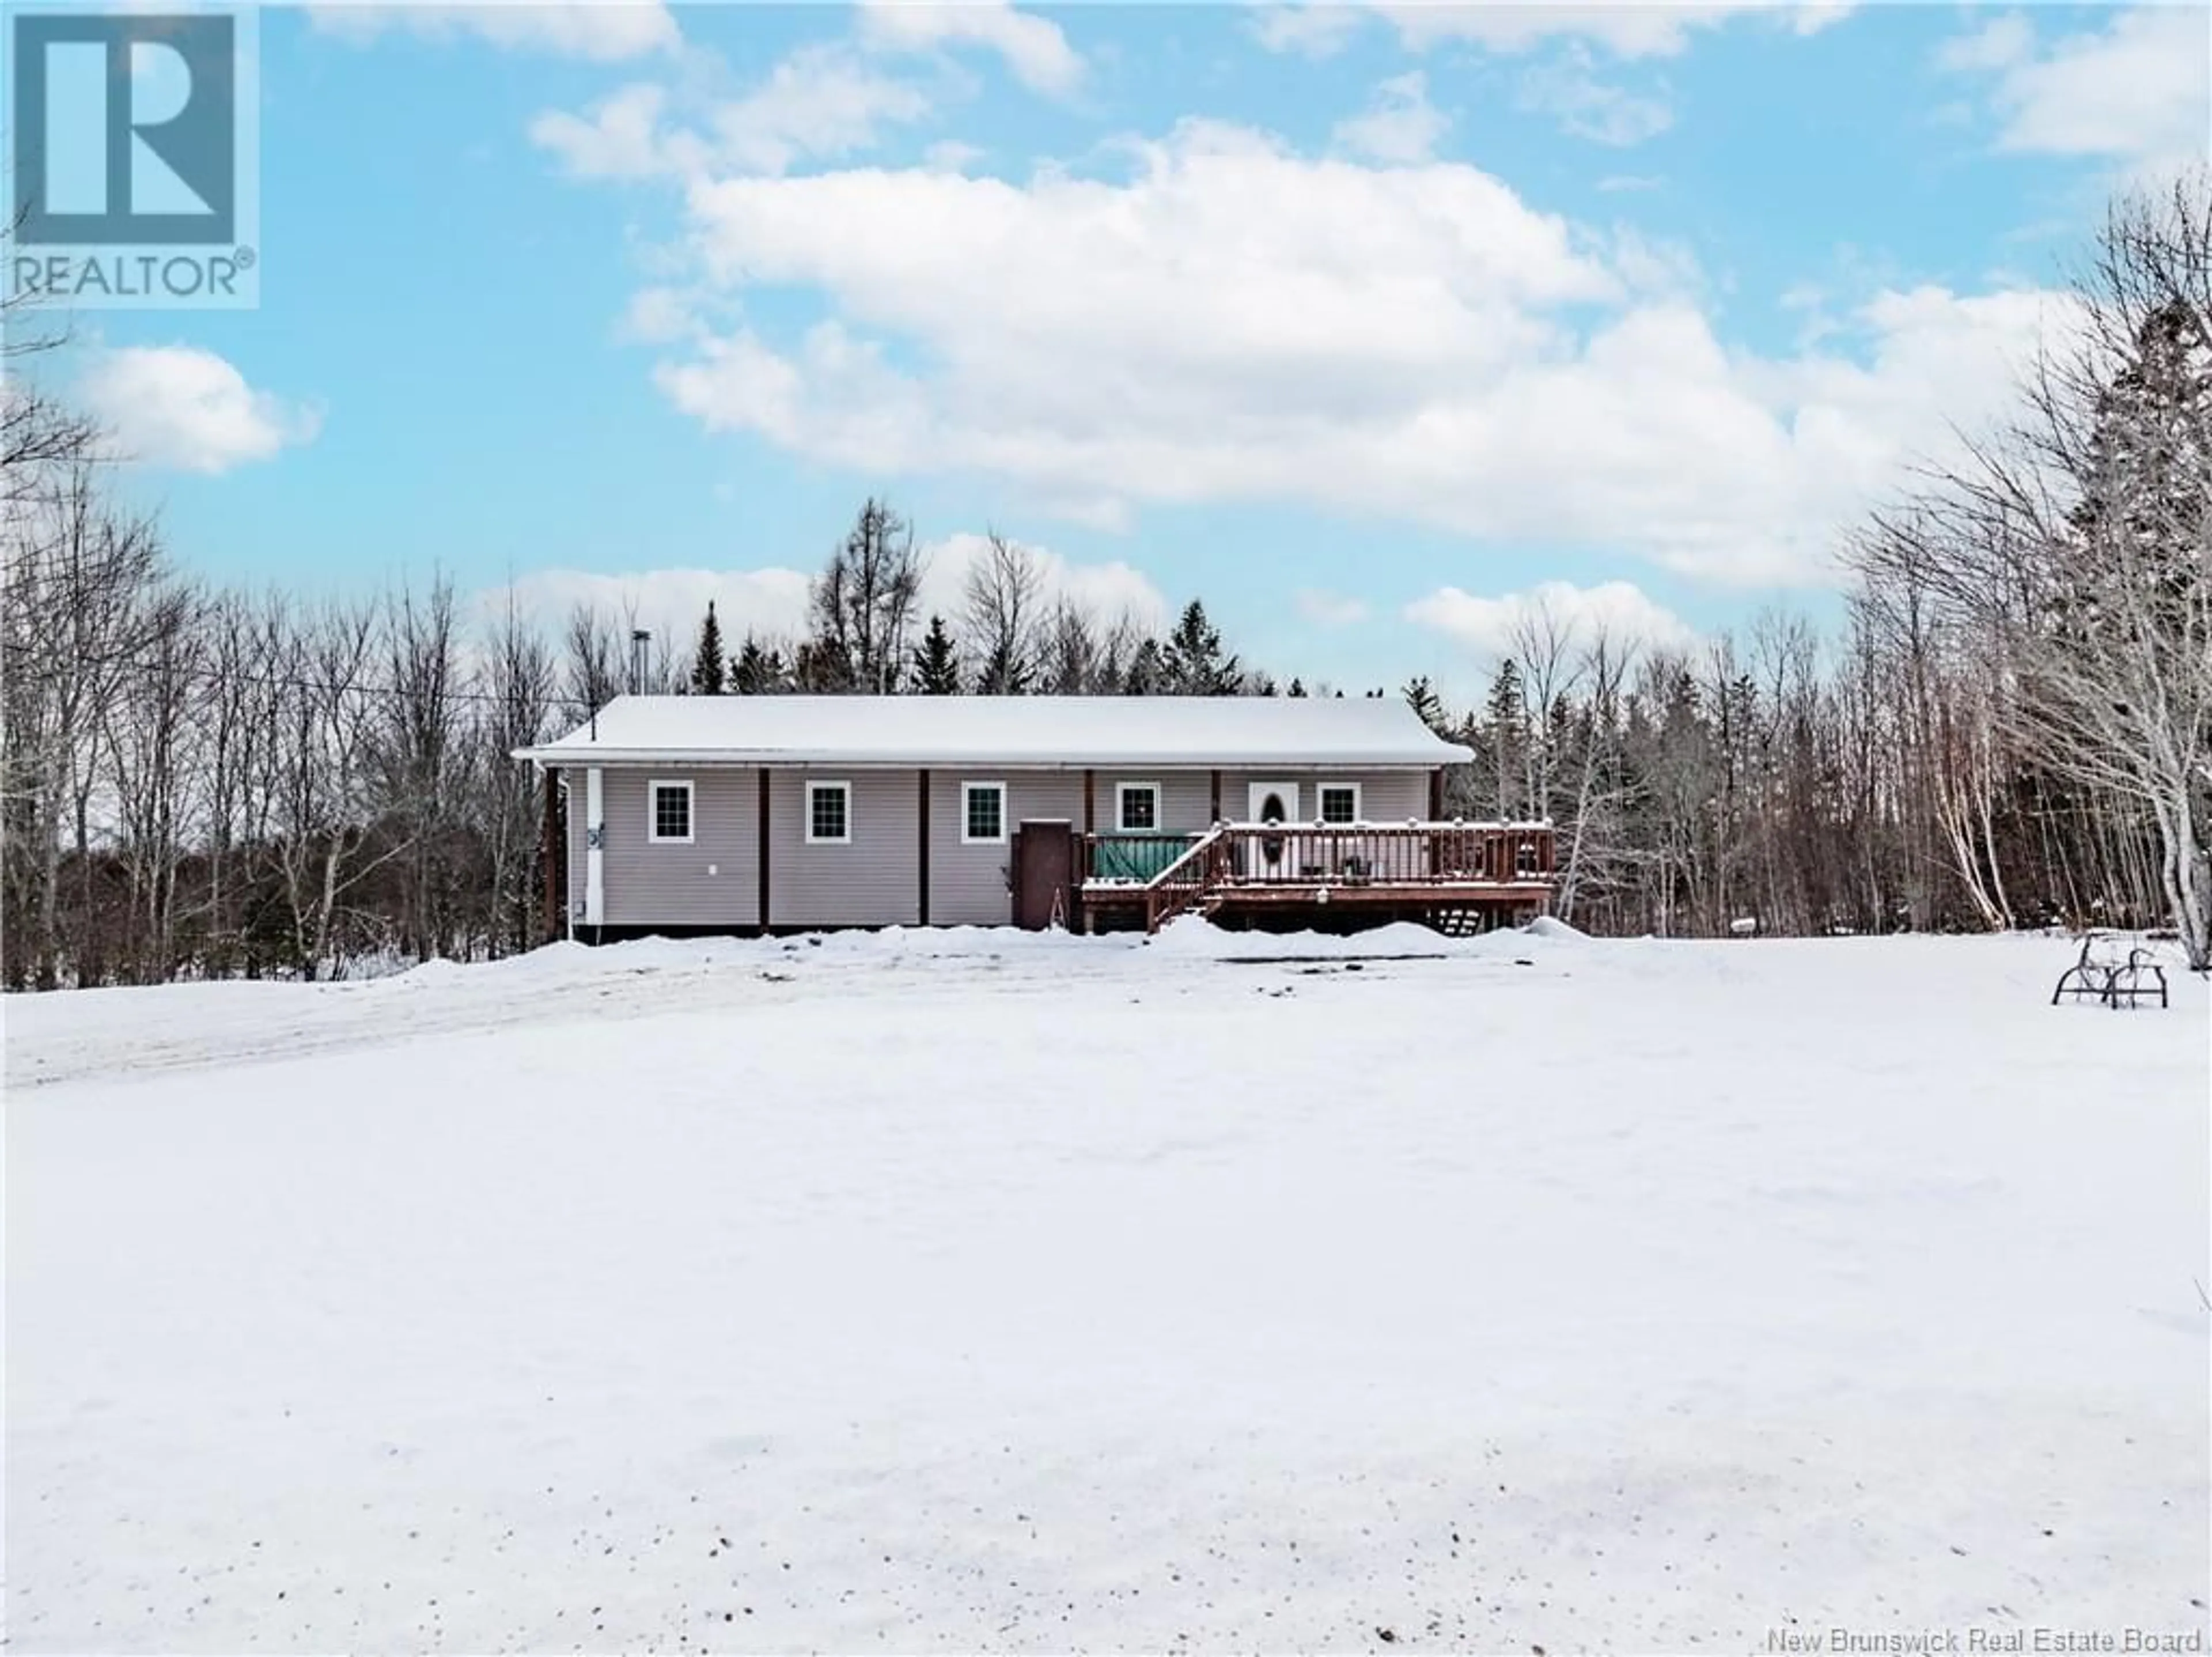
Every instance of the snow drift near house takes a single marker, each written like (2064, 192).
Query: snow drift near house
(984, 1291)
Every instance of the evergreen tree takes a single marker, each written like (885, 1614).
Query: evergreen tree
(1298, 687)
(1194, 661)
(1421, 697)
(709, 668)
(1505, 733)
(756, 672)
(1147, 674)
(937, 662)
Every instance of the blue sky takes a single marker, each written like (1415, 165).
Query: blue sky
(1369, 325)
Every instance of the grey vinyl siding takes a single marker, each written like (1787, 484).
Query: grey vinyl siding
(1186, 800)
(874, 882)
(970, 885)
(712, 881)
(1392, 796)
(574, 800)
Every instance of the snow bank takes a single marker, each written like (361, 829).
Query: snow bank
(1546, 926)
(1194, 937)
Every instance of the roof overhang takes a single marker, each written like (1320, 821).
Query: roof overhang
(1058, 760)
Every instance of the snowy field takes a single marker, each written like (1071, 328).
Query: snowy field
(988, 1292)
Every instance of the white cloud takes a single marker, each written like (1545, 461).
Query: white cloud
(1997, 43)
(189, 410)
(1329, 609)
(2136, 90)
(1571, 92)
(602, 30)
(1312, 28)
(820, 103)
(1642, 28)
(1232, 321)
(1636, 29)
(659, 316)
(1620, 611)
(1400, 125)
(950, 156)
(1033, 48)
(621, 136)
(771, 600)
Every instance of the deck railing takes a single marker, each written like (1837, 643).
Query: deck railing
(1173, 873)
(1394, 854)
(1135, 859)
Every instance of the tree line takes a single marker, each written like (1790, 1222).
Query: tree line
(2012, 727)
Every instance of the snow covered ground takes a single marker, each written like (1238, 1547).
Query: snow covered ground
(973, 1291)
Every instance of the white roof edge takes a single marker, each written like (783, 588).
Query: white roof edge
(1446, 753)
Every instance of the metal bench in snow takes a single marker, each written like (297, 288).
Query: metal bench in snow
(2103, 974)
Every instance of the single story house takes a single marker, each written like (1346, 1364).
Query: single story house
(704, 814)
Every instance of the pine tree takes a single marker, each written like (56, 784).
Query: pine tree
(1194, 661)
(756, 672)
(937, 662)
(709, 668)
(1506, 721)
(1147, 674)
(1298, 687)
(1421, 697)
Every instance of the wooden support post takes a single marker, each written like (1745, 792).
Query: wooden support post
(1436, 795)
(921, 897)
(1213, 802)
(555, 846)
(763, 849)
(1090, 802)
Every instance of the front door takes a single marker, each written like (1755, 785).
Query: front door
(1044, 875)
(1268, 857)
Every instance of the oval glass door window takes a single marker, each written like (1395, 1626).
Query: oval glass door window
(1271, 810)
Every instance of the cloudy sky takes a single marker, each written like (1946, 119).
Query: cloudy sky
(1370, 325)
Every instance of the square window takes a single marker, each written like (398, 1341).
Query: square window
(1138, 807)
(983, 813)
(671, 819)
(829, 813)
(1340, 802)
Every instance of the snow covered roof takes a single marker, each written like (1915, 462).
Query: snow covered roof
(1026, 731)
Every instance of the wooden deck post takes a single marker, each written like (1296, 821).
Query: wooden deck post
(552, 854)
(921, 897)
(1213, 806)
(1090, 799)
(1436, 795)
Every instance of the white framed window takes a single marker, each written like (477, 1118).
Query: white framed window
(1136, 807)
(983, 813)
(668, 813)
(829, 813)
(1338, 802)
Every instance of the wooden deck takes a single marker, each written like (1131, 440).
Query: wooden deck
(1457, 876)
